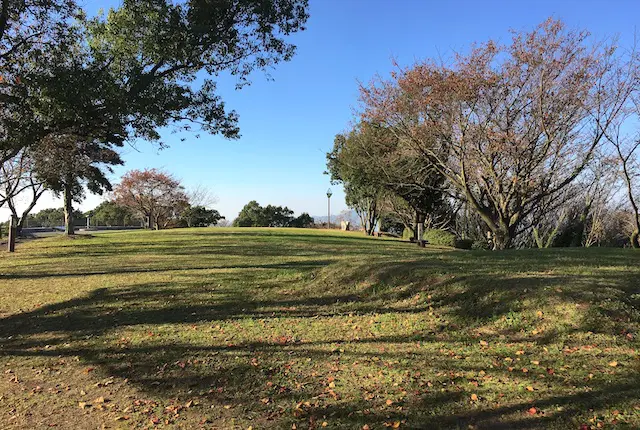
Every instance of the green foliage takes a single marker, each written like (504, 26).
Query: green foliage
(254, 215)
(303, 221)
(109, 213)
(199, 216)
(30, 31)
(162, 48)
(407, 234)
(439, 237)
(367, 162)
(390, 223)
(93, 85)
(464, 243)
(362, 186)
(53, 218)
(480, 245)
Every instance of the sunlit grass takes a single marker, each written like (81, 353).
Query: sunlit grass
(270, 328)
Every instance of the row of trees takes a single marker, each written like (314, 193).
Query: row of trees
(150, 198)
(161, 201)
(531, 143)
(74, 89)
(254, 215)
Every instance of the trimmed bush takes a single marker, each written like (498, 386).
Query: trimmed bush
(464, 243)
(480, 245)
(407, 234)
(440, 237)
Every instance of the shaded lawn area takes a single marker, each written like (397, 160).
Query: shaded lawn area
(288, 328)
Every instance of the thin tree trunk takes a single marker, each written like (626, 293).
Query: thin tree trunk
(69, 229)
(635, 235)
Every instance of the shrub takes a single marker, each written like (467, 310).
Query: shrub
(440, 237)
(464, 243)
(480, 245)
(407, 234)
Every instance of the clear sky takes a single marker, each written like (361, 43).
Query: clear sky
(288, 124)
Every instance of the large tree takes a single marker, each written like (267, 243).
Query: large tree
(167, 52)
(17, 179)
(200, 216)
(79, 104)
(254, 215)
(28, 29)
(370, 163)
(154, 195)
(124, 75)
(111, 214)
(507, 125)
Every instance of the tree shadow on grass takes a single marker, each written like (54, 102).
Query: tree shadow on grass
(120, 270)
(272, 379)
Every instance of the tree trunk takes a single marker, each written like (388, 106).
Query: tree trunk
(69, 229)
(420, 230)
(502, 237)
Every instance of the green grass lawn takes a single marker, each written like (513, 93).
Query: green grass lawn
(285, 328)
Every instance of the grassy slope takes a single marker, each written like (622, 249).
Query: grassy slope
(228, 328)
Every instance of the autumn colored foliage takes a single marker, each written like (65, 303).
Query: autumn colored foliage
(509, 126)
(153, 194)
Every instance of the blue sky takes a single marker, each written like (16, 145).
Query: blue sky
(288, 124)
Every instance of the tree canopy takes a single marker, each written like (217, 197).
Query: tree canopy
(90, 85)
(254, 215)
(508, 126)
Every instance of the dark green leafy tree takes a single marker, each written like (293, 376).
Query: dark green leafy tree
(52, 217)
(374, 172)
(200, 216)
(160, 48)
(28, 28)
(277, 216)
(80, 107)
(254, 215)
(362, 192)
(134, 71)
(251, 215)
(110, 213)
(303, 221)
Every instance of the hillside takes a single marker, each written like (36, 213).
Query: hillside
(287, 328)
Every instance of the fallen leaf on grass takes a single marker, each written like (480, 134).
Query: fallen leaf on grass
(532, 411)
(613, 363)
(474, 397)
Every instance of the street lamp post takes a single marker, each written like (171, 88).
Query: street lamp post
(329, 194)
